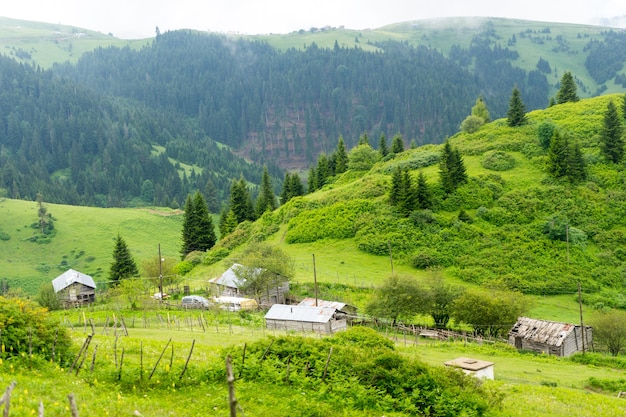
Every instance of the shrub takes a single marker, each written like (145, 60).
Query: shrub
(366, 374)
(497, 161)
(471, 124)
(48, 298)
(417, 160)
(183, 267)
(362, 158)
(215, 255)
(428, 258)
(25, 326)
(337, 221)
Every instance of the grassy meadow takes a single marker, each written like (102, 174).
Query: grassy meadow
(83, 241)
(46, 43)
(140, 373)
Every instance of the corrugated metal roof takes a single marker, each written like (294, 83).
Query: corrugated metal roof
(300, 313)
(322, 303)
(229, 278)
(542, 331)
(69, 277)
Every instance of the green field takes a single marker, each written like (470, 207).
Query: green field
(45, 43)
(527, 384)
(83, 241)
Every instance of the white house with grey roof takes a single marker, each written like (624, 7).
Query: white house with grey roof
(75, 288)
(326, 320)
(231, 284)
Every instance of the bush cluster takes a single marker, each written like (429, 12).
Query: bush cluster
(26, 328)
(336, 221)
(497, 161)
(364, 373)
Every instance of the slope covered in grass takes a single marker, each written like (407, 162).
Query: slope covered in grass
(83, 240)
(514, 236)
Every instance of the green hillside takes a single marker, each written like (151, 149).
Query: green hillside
(44, 44)
(563, 45)
(83, 240)
(505, 240)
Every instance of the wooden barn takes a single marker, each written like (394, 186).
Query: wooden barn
(229, 285)
(325, 320)
(476, 367)
(550, 337)
(74, 288)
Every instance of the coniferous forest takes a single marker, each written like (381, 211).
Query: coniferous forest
(194, 111)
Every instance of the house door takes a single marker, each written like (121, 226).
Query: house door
(518, 342)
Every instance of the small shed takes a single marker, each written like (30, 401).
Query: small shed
(476, 367)
(75, 288)
(550, 337)
(310, 301)
(326, 320)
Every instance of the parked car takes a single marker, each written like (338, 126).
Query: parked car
(195, 301)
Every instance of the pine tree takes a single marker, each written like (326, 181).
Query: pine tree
(363, 140)
(406, 200)
(397, 144)
(382, 146)
(198, 228)
(516, 116)
(123, 265)
(323, 171)
(241, 201)
(624, 106)
(292, 187)
(612, 142)
(396, 187)
(576, 164)
(558, 156)
(340, 157)
(480, 110)
(565, 159)
(266, 199)
(228, 222)
(423, 194)
(285, 193)
(459, 173)
(210, 193)
(296, 187)
(312, 180)
(452, 171)
(567, 92)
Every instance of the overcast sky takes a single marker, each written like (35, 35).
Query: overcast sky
(139, 18)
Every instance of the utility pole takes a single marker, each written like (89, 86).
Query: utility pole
(582, 325)
(315, 279)
(390, 256)
(580, 298)
(160, 275)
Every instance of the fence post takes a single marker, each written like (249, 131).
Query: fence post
(231, 387)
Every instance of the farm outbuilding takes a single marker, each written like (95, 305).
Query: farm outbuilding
(229, 284)
(476, 367)
(312, 302)
(75, 288)
(326, 320)
(550, 337)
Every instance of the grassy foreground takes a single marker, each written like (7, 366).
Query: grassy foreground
(526, 384)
